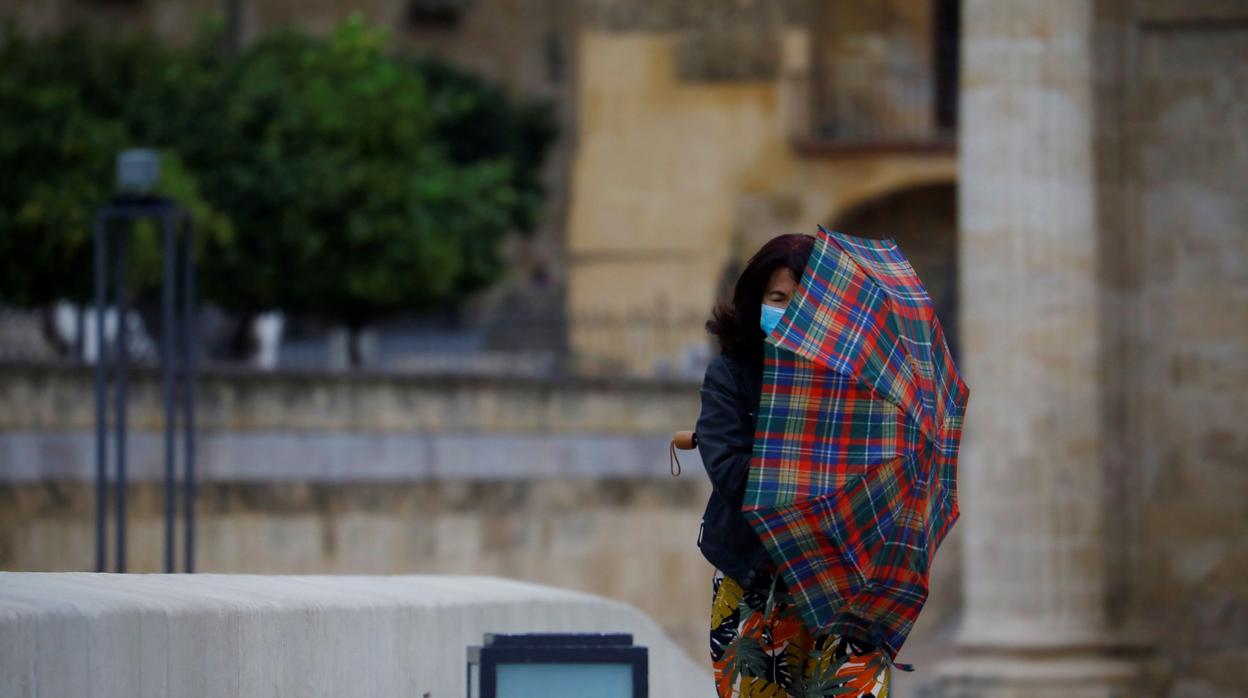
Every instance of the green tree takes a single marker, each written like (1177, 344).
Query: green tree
(331, 177)
(477, 120)
(67, 107)
(330, 157)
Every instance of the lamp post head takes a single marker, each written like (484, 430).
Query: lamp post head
(138, 172)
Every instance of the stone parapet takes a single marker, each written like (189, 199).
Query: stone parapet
(74, 635)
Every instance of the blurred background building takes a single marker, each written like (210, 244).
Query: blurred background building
(1068, 178)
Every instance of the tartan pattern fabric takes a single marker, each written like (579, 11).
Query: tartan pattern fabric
(852, 484)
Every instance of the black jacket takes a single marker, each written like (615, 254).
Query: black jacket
(725, 428)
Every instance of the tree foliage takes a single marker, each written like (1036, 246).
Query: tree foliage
(67, 107)
(325, 175)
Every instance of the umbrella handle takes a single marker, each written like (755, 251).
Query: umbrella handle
(684, 440)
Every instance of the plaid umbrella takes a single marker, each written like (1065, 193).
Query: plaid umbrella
(853, 480)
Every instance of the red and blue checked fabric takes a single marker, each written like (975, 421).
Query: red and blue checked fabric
(853, 481)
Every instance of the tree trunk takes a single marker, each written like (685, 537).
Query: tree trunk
(51, 334)
(355, 352)
(243, 342)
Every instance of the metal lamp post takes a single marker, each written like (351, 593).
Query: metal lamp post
(138, 172)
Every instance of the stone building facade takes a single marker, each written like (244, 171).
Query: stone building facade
(1103, 252)
(706, 128)
(1086, 234)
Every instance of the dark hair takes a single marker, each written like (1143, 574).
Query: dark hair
(735, 323)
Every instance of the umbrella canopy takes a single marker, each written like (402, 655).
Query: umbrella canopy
(853, 480)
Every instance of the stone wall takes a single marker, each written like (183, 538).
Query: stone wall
(564, 483)
(1182, 144)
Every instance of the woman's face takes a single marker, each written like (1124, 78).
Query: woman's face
(780, 288)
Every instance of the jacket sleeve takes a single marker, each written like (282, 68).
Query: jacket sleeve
(725, 434)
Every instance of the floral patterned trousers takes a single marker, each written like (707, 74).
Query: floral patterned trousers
(761, 647)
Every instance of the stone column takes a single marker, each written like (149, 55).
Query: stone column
(1032, 477)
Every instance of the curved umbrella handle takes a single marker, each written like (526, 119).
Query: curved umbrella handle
(684, 440)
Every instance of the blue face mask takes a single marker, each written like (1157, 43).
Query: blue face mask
(769, 317)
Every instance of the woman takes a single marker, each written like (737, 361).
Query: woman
(759, 645)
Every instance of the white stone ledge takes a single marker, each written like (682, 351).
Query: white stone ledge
(80, 634)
